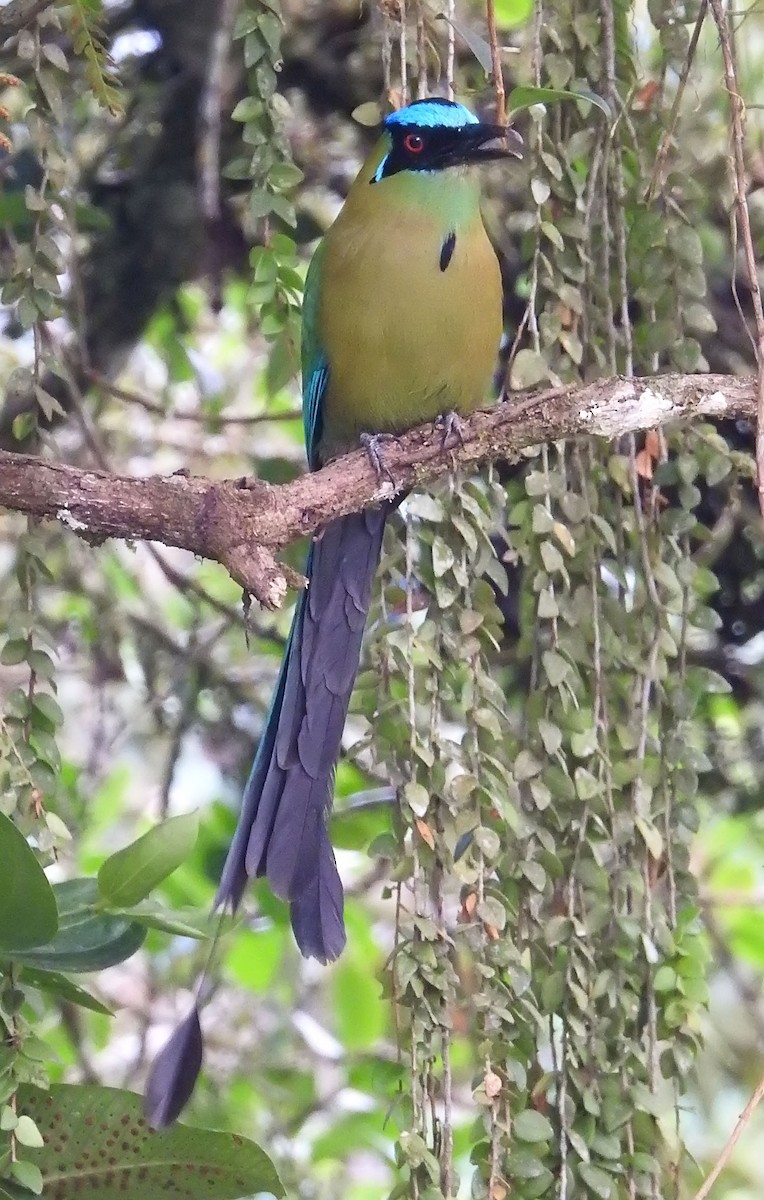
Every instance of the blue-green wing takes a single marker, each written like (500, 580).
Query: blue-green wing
(315, 367)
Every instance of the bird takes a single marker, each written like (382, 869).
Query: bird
(401, 324)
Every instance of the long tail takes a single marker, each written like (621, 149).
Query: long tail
(282, 831)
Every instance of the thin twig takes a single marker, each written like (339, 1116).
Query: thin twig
(19, 14)
(656, 181)
(154, 406)
(740, 1126)
(738, 177)
(403, 50)
(497, 73)
(450, 49)
(422, 86)
(182, 582)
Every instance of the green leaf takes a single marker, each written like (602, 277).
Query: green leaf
(425, 507)
(532, 1126)
(44, 703)
(128, 876)
(652, 837)
(14, 651)
(110, 1151)
(477, 44)
(442, 557)
(368, 114)
(526, 766)
(597, 1180)
(248, 109)
(28, 913)
(525, 97)
(510, 13)
(555, 666)
(87, 939)
(540, 190)
(27, 1133)
(528, 369)
(28, 1175)
(285, 175)
(417, 797)
(153, 915)
(59, 985)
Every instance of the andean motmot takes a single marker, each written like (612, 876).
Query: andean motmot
(402, 319)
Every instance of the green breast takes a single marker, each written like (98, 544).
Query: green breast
(409, 331)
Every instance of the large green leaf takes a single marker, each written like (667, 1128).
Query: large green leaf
(11, 1191)
(154, 915)
(55, 984)
(130, 875)
(87, 940)
(98, 1143)
(28, 913)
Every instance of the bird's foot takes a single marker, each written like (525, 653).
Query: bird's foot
(372, 444)
(451, 425)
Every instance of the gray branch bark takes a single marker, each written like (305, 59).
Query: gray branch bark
(18, 13)
(243, 524)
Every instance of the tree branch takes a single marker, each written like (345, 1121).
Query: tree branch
(17, 14)
(243, 524)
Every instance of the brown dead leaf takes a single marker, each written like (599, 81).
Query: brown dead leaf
(644, 96)
(468, 905)
(425, 833)
(644, 465)
(656, 869)
(653, 444)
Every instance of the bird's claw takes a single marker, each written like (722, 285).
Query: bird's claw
(451, 424)
(372, 444)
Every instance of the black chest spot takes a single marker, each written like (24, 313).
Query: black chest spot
(447, 251)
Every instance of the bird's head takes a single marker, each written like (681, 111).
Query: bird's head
(438, 135)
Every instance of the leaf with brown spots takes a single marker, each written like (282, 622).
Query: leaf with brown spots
(97, 1142)
(492, 1084)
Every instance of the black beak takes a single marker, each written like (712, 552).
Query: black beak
(474, 143)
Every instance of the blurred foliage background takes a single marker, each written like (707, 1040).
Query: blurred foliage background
(549, 814)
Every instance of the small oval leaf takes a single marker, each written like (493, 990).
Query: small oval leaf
(532, 1126)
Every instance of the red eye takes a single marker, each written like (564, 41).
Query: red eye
(414, 143)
